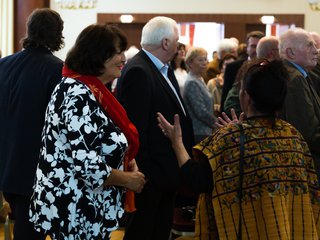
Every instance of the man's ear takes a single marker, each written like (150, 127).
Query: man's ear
(290, 53)
(165, 43)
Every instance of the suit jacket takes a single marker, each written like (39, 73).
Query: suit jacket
(230, 75)
(302, 108)
(27, 80)
(143, 92)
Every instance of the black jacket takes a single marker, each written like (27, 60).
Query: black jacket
(27, 80)
(143, 92)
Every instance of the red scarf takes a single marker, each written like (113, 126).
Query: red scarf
(118, 115)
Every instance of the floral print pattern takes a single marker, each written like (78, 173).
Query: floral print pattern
(80, 146)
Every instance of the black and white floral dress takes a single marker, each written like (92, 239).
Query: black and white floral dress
(80, 146)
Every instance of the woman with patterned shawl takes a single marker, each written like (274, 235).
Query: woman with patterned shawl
(261, 183)
(88, 145)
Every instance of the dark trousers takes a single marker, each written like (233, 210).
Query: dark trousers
(153, 218)
(23, 229)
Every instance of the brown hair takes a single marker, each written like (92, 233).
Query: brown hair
(94, 45)
(44, 29)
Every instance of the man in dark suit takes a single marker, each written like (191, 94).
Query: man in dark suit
(146, 87)
(233, 68)
(27, 80)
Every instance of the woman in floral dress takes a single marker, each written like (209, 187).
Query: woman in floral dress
(80, 179)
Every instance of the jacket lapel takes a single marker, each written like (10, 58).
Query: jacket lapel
(163, 81)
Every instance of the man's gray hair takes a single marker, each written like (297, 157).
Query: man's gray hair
(226, 45)
(292, 38)
(157, 29)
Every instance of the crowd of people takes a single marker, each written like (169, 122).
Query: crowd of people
(81, 154)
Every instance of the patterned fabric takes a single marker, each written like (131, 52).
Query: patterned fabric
(119, 117)
(280, 187)
(80, 146)
(199, 105)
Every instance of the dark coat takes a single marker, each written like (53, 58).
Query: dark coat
(143, 92)
(302, 108)
(27, 80)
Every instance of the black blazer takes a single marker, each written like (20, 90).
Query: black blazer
(27, 80)
(143, 92)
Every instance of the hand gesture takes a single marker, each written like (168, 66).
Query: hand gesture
(173, 132)
(225, 120)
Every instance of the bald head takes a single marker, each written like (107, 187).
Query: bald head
(268, 47)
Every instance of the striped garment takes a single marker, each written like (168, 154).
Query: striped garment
(281, 197)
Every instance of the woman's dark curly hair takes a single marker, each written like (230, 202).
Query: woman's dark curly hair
(266, 83)
(44, 29)
(94, 45)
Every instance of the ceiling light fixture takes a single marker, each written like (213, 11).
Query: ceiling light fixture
(267, 19)
(126, 18)
(76, 4)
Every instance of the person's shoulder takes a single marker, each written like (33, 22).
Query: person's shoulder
(233, 67)
(11, 58)
(237, 63)
(50, 58)
(75, 88)
(292, 70)
(191, 83)
(42, 57)
(221, 139)
(288, 128)
(228, 132)
(138, 62)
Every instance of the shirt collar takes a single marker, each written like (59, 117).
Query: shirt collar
(156, 61)
(300, 69)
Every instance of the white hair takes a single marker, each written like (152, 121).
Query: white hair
(316, 38)
(226, 45)
(156, 29)
(292, 38)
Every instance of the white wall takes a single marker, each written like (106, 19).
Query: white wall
(76, 20)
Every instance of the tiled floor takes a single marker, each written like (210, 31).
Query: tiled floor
(116, 235)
